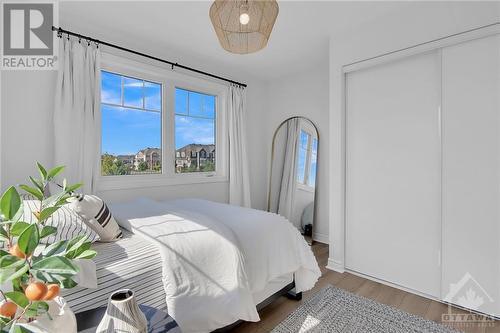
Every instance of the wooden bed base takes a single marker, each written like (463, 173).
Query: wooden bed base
(287, 291)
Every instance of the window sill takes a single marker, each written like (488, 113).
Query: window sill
(108, 183)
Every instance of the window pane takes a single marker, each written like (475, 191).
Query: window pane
(312, 174)
(304, 139)
(132, 92)
(181, 101)
(194, 132)
(209, 106)
(111, 88)
(311, 181)
(152, 96)
(301, 165)
(195, 104)
(131, 138)
(195, 144)
(201, 105)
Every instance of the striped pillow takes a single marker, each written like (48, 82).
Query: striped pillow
(67, 222)
(96, 214)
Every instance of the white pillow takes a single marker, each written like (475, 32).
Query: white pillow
(96, 214)
(87, 273)
(68, 223)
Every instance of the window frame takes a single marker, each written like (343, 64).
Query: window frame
(169, 80)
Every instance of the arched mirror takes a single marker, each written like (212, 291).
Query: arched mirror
(292, 183)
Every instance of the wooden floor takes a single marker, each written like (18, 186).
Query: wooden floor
(273, 314)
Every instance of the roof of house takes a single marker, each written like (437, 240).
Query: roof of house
(148, 151)
(197, 147)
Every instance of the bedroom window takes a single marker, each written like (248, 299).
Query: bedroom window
(159, 128)
(307, 159)
(195, 119)
(131, 131)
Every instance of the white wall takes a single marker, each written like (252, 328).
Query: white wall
(419, 22)
(25, 128)
(300, 94)
(257, 144)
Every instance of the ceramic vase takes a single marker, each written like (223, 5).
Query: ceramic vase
(123, 314)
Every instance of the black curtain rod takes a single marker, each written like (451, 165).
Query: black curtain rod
(61, 31)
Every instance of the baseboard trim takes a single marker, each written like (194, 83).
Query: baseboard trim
(394, 285)
(336, 266)
(409, 290)
(322, 238)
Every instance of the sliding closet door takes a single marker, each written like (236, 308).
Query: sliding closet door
(393, 227)
(471, 174)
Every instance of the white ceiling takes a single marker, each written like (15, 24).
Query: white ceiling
(299, 39)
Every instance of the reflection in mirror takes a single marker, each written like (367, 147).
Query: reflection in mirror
(292, 184)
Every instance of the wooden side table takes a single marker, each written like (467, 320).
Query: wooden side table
(158, 321)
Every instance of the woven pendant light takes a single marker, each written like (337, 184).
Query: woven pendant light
(243, 26)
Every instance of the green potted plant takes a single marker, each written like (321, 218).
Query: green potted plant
(36, 271)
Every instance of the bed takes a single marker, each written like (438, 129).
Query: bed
(131, 262)
(135, 263)
(208, 264)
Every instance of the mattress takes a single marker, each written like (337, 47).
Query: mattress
(131, 262)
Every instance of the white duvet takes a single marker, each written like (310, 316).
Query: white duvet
(217, 255)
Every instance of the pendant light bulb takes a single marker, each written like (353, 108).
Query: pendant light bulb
(244, 18)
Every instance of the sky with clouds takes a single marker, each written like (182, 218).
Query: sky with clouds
(128, 128)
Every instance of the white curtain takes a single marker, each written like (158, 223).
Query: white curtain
(288, 179)
(75, 114)
(239, 183)
(278, 161)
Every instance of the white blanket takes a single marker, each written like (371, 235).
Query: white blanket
(217, 255)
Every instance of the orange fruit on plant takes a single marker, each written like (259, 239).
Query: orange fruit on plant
(52, 292)
(36, 291)
(8, 309)
(16, 251)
